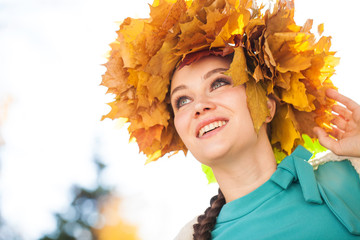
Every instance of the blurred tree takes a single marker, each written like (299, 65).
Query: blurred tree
(113, 227)
(92, 215)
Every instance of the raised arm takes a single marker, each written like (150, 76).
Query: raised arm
(345, 129)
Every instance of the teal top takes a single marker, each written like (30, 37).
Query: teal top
(297, 203)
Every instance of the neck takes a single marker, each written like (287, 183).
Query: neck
(248, 171)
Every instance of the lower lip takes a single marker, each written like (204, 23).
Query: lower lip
(213, 132)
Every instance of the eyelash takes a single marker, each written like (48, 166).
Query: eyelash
(179, 99)
(220, 81)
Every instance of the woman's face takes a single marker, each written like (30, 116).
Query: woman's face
(211, 115)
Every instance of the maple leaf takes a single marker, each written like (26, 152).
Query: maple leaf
(272, 56)
(258, 75)
(296, 94)
(171, 140)
(283, 80)
(160, 67)
(215, 21)
(280, 20)
(283, 129)
(148, 117)
(129, 31)
(165, 14)
(115, 78)
(295, 62)
(115, 113)
(238, 67)
(163, 18)
(321, 28)
(307, 26)
(257, 103)
(157, 114)
(306, 122)
(145, 138)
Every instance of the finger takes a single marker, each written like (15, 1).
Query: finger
(339, 122)
(349, 103)
(326, 141)
(337, 133)
(342, 111)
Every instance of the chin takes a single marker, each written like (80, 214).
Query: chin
(223, 150)
(212, 154)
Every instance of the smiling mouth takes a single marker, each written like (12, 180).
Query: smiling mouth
(210, 127)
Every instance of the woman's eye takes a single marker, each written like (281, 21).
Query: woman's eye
(182, 101)
(219, 83)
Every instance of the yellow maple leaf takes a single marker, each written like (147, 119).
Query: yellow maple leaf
(257, 103)
(145, 138)
(307, 26)
(292, 62)
(283, 80)
(215, 21)
(297, 95)
(272, 56)
(321, 28)
(306, 122)
(157, 114)
(284, 131)
(128, 33)
(238, 67)
(281, 20)
(115, 78)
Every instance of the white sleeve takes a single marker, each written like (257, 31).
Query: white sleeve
(186, 233)
(330, 156)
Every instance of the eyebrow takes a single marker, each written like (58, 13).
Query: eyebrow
(212, 72)
(207, 75)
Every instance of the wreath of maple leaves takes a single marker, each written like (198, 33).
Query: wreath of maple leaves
(272, 56)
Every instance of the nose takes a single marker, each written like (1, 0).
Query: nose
(203, 105)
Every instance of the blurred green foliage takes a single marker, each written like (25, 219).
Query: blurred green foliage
(82, 216)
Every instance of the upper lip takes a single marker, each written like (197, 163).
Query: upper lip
(206, 122)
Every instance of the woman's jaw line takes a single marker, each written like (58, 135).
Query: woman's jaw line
(242, 172)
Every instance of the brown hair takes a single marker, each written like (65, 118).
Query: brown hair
(206, 221)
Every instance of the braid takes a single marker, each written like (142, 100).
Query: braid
(206, 222)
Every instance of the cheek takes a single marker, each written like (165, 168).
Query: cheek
(181, 122)
(236, 100)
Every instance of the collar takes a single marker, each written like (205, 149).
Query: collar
(292, 169)
(295, 167)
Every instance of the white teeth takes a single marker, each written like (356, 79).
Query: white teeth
(210, 127)
(206, 128)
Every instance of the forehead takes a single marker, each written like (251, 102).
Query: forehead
(198, 69)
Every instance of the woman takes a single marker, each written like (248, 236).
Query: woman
(213, 120)
(245, 87)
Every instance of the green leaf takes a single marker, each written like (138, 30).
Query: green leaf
(313, 146)
(209, 173)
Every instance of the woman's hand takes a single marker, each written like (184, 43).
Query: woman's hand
(346, 129)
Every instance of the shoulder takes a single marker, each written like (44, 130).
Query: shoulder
(186, 233)
(331, 157)
(339, 185)
(337, 169)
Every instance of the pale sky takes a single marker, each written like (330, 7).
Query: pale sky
(50, 64)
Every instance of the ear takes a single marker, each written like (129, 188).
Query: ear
(271, 104)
